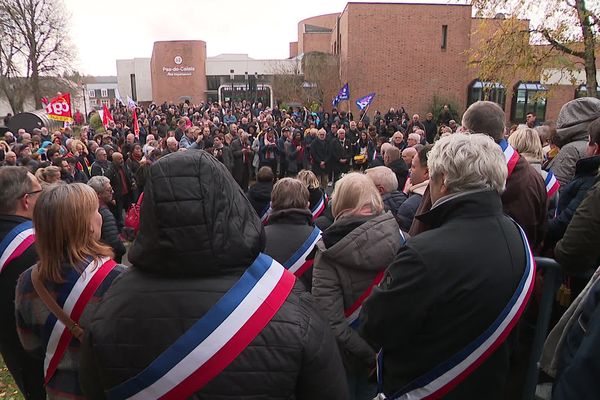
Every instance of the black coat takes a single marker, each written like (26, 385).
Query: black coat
(27, 371)
(320, 151)
(110, 233)
(434, 300)
(340, 151)
(198, 234)
(401, 170)
(260, 196)
(286, 232)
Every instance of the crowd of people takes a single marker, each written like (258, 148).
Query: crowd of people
(294, 254)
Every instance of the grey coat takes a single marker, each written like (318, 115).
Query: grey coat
(344, 271)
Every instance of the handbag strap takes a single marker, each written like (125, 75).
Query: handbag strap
(139, 202)
(53, 306)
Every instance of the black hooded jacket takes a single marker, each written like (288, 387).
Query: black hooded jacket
(198, 234)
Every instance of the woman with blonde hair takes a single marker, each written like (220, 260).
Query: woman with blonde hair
(352, 256)
(317, 197)
(56, 298)
(48, 175)
(79, 151)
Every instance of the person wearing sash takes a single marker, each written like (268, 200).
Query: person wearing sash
(56, 297)
(351, 257)
(317, 197)
(203, 313)
(18, 197)
(525, 198)
(442, 314)
(291, 236)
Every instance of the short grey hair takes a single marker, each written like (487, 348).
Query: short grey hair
(384, 177)
(15, 182)
(468, 162)
(414, 136)
(289, 193)
(98, 182)
(485, 117)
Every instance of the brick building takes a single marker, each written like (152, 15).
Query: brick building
(409, 53)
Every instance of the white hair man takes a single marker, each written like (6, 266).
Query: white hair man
(387, 184)
(413, 139)
(455, 283)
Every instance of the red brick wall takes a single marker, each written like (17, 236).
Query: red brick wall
(326, 21)
(557, 97)
(293, 49)
(395, 51)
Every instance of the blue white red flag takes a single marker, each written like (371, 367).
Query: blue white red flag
(318, 209)
(364, 102)
(510, 155)
(552, 184)
(343, 94)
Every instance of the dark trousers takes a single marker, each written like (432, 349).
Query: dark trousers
(28, 372)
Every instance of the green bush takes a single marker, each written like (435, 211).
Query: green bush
(96, 123)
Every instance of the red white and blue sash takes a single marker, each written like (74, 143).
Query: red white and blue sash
(266, 212)
(352, 313)
(552, 184)
(298, 263)
(216, 339)
(510, 154)
(15, 243)
(318, 209)
(73, 297)
(444, 377)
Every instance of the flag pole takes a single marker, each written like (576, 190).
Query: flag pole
(365, 113)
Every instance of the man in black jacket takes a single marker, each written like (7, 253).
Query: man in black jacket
(122, 183)
(342, 152)
(435, 300)
(110, 232)
(18, 196)
(182, 266)
(320, 153)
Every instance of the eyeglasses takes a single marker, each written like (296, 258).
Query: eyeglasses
(32, 193)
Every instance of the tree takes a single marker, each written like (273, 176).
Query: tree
(563, 34)
(38, 47)
(312, 80)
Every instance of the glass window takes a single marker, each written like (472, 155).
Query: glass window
(529, 97)
(490, 91)
(581, 91)
(104, 92)
(92, 93)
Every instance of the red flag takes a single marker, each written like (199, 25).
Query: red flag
(59, 108)
(106, 116)
(136, 125)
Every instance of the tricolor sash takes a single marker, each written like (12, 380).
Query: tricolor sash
(15, 243)
(264, 215)
(352, 313)
(72, 297)
(318, 209)
(444, 377)
(298, 263)
(552, 184)
(510, 154)
(216, 339)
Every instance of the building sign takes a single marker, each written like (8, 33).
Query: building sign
(178, 70)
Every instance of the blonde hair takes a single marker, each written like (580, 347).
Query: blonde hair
(73, 145)
(43, 174)
(527, 143)
(353, 193)
(309, 179)
(62, 219)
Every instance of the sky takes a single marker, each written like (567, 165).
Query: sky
(103, 31)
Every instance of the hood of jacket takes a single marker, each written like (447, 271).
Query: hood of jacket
(366, 246)
(195, 220)
(574, 119)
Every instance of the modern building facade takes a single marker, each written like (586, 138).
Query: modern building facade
(410, 53)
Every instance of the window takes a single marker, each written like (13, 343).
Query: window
(92, 93)
(105, 102)
(444, 36)
(104, 92)
(491, 91)
(133, 87)
(581, 91)
(529, 97)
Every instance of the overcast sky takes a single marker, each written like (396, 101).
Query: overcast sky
(106, 30)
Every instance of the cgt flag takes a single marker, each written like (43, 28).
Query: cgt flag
(59, 108)
(343, 94)
(364, 102)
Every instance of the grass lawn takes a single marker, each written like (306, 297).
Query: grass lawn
(8, 389)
